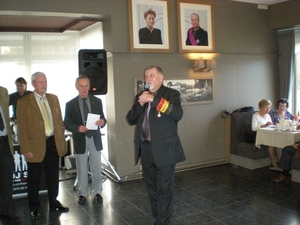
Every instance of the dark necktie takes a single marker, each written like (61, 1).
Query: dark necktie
(1, 122)
(85, 114)
(146, 124)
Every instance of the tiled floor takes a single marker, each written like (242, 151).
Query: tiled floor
(214, 195)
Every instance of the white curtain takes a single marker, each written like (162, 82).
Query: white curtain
(286, 62)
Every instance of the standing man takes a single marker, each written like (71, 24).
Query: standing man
(196, 35)
(21, 85)
(87, 143)
(6, 162)
(42, 141)
(155, 114)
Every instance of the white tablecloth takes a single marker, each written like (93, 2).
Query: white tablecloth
(272, 137)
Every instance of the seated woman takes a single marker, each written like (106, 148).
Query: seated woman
(280, 113)
(262, 119)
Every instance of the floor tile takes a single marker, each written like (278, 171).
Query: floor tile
(218, 195)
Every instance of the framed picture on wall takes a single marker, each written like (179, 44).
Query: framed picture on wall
(196, 26)
(192, 91)
(149, 29)
(139, 86)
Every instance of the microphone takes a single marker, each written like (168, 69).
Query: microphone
(146, 87)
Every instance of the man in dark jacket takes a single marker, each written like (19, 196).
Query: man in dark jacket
(87, 143)
(155, 114)
(6, 163)
(196, 35)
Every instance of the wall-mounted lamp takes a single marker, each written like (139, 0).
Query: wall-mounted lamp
(203, 65)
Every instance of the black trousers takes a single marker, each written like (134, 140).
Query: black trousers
(287, 154)
(6, 178)
(160, 186)
(50, 165)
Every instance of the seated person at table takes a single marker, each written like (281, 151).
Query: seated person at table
(262, 119)
(280, 113)
(286, 160)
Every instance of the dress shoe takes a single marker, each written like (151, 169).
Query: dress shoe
(60, 208)
(98, 198)
(35, 214)
(281, 178)
(11, 219)
(81, 200)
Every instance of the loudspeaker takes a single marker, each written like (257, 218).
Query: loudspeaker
(93, 64)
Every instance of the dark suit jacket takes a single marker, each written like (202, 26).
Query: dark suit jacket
(200, 35)
(165, 143)
(4, 99)
(31, 127)
(73, 120)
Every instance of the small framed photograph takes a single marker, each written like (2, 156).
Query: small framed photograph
(196, 26)
(192, 91)
(139, 85)
(149, 28)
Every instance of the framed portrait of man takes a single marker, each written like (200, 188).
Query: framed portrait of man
(149, 29)
(196, 28)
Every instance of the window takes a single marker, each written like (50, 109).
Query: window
(297, 78)
(55, 54)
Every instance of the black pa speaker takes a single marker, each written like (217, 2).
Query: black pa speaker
(93, 64)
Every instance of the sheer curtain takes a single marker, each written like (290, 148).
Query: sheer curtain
(286, 43)
(297, 57)
(54, 54)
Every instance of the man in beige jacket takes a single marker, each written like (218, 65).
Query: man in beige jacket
(42, 141)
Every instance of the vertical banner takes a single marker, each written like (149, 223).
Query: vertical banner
(20, 174)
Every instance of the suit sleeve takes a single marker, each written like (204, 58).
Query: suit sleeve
(169, 105)
(22, 124)
(135, 112)
(101, 113)
(70, 121)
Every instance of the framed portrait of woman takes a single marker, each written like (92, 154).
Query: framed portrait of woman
(149, 29)
(196, 27)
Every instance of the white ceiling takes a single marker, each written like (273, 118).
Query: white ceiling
(263, 2)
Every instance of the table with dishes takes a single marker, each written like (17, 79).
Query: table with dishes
(272, 136)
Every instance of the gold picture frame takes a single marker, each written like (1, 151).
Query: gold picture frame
(141, 39)
(204, 40)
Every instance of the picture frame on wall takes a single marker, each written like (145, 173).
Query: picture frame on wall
(192, 91)
(149, 29)
(139, 85)
(196, 26)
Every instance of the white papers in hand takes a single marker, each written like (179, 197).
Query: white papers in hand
(91, 121)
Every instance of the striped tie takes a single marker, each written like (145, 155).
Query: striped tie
(146, 124)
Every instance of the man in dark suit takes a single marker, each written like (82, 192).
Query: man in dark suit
(42, 142)
(196, 35)
(6, 162)
(155, 114)
(87, 143)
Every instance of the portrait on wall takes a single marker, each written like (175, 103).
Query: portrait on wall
(196, 30)
(149, 25)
